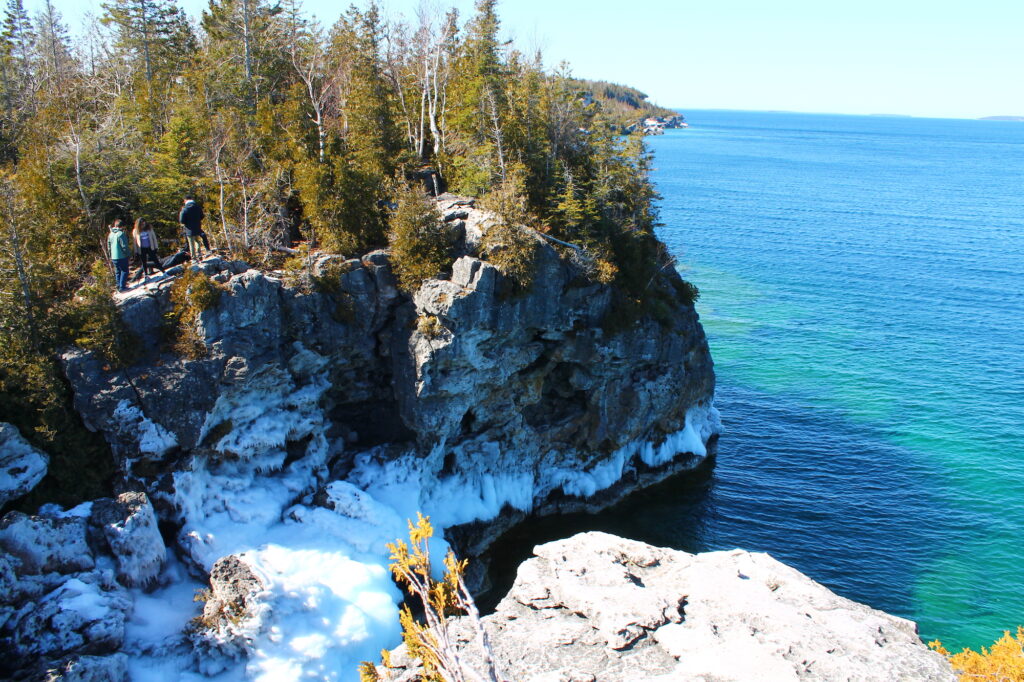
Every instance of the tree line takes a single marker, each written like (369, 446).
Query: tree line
(287, 130)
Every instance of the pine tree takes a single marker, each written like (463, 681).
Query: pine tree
(476, 147)
(53, 48)
(146, 29)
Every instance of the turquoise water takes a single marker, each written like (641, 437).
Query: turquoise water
(862, 288)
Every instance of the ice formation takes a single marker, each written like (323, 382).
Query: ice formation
(328, 601)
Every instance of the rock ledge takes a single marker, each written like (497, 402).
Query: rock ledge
(598, 607)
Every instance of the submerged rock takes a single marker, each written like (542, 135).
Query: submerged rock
(599, 607)
(21, 465)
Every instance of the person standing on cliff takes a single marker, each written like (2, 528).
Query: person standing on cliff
(191, 218)
(117, 245)
(144, 240)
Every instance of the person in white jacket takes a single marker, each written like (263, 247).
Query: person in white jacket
(145, 242)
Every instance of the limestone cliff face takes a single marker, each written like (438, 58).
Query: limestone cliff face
(465, 382)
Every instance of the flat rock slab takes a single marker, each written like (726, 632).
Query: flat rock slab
(599, 607)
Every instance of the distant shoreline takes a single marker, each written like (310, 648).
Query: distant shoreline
(692, 110)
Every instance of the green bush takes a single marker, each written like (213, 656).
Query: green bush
(686, 292)
(96, 323)
(509, 244)
(191, 294)
(420, 242)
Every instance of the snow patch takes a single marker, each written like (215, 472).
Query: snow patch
(328, 601)
(22, 466)
(154, 440)
(84, 599)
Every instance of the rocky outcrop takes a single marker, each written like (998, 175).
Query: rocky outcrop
(231, 611)
(597, 607)
(21, 465)
(329, 408)
(130, 529)
(63, 602)
(468, 383)
(657, 125)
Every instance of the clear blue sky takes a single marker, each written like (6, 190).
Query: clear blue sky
(945, 58)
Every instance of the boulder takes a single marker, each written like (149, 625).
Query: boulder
(45, 544)
(598, 607)
(21, 465)
(231, 615)
(129, 525)
(85, 614)
(113, 668)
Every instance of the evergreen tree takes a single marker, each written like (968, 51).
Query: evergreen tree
(53, 48)
(476, 148)
(147, 29)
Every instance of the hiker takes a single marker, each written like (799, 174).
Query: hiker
(191, 218)
(144, 240)
(117, 245)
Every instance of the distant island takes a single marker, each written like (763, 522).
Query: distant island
(1002, 118)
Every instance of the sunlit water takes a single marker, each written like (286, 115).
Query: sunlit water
(862, 287)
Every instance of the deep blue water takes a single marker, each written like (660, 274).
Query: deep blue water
(862, 286)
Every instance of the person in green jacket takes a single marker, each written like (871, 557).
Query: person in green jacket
(117, 244)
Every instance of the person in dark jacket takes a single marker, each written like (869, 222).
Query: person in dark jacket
(120, 250)
(191, 218)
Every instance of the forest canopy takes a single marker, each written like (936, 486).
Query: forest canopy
(285, 130)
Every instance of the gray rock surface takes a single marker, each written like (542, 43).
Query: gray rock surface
(231, 612)
(113, 668)
(59, 599)
(498, 383)
(599, 607)
(44, 544)
(85, 614)
(129, 525)
(21, 465)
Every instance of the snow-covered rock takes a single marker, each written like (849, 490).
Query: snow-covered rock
(324, 415)
(130, 528)
(112, 668)
(85, 613)
(231, 614)
(598, 607)
(44, 544)
(21, 465)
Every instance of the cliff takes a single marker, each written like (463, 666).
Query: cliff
(325, 412)
(597, 607)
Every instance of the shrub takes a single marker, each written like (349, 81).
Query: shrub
(509, 244)
(297, 270)
(686, 292)
(429, 326)
(420, 242)
(1003, 662)
(191, 294)
(97, 323)
(432, 642)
